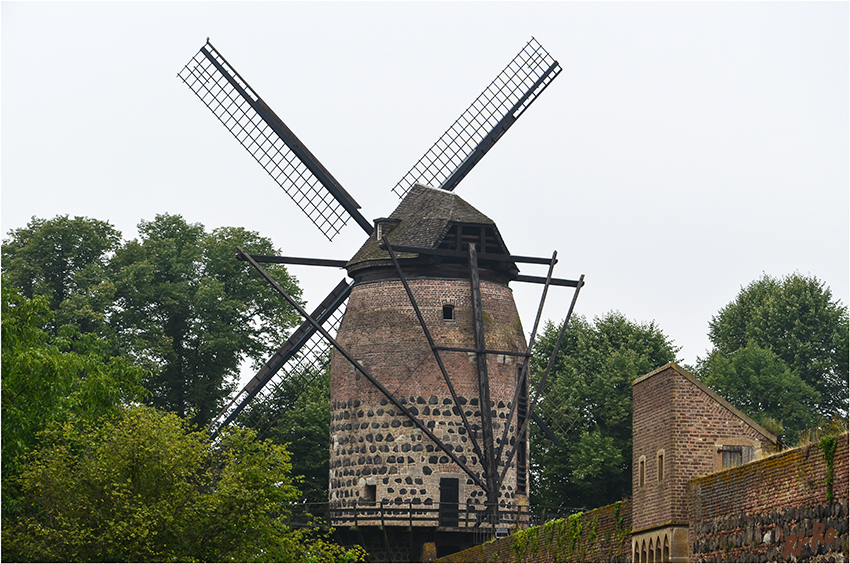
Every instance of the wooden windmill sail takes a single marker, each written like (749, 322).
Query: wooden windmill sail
(432, 235)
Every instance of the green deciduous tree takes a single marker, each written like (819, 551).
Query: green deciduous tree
(176, 300)
(65, 260)
(190, 311)
(48, 378)
(797, 320)
(142, 486)
(588, 405)
(305, 429)
(757, 382)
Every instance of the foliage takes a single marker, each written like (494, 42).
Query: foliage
(521, 540)
(796, 318)
(304, 429)
(190, 311)
(65, 260)
(761, 385)
(588, 405)
(143, 487)
(574, 523)
(828, 445)
(176, 300)
(46, 378)
(620, 522)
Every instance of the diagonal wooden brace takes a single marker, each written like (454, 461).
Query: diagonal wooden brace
(449, 452)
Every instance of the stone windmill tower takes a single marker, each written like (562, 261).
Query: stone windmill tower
(377, 451)
(429, 371)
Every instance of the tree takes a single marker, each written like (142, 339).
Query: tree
(590, 389)
(143, 487)
(65, 260)
(46, 379)
(305, 429)
(761, 385)
(797, 320)
(186, 308)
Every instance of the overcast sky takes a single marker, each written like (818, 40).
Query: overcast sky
(685, 149)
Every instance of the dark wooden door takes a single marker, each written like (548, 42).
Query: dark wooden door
(448, 502)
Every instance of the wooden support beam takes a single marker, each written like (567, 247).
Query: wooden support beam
(489, 461)
(461, 254)
(359, 367)
(434, 349)
(294, 260)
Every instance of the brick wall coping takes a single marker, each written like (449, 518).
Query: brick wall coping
(712, 394)
(737, 469)
(661, 526)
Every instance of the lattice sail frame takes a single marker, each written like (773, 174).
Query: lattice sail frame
(484, 121)
(293, 379)
(269, 141)
(279, 384)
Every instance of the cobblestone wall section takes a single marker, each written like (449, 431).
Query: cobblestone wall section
(747, 513)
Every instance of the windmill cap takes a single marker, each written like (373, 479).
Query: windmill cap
(422, 219)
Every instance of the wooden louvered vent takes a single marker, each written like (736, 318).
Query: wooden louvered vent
(460, 235)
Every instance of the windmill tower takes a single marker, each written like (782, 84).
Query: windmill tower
(429, 371)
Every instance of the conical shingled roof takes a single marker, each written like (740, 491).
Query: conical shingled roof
(421, 220)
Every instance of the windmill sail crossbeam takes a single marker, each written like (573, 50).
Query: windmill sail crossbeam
(272, 144)
(482, 124)
(301, 358)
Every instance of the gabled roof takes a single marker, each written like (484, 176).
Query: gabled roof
(712, 394)
(422, 219)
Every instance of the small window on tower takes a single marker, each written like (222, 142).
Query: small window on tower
(448, 313)
(370, 493)
(661, 466)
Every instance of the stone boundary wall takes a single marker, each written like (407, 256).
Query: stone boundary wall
(598, 535)
(746, 514)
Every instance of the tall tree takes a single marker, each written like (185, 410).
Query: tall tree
(190, 311)
(795, 318)
(48, 378)
(64, 259)
(590, 385)
(305, 430)
(142, 486)
(761, 385)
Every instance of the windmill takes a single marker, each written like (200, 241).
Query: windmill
(429, 367)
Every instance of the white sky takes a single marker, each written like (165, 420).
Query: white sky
(685, 149)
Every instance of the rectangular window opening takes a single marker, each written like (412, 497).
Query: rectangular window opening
(642, 473)
(736, 455)
(661, 467)
(448, 313)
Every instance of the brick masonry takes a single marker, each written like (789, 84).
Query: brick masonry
(679, 424)
(374, 445)
(693, 510)
(745, 514)
(599, 535)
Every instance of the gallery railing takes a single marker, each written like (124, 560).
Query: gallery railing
(478, 517)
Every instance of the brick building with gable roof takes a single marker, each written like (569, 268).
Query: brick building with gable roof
(682, 430)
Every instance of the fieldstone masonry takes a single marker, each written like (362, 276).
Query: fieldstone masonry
(378, 454)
